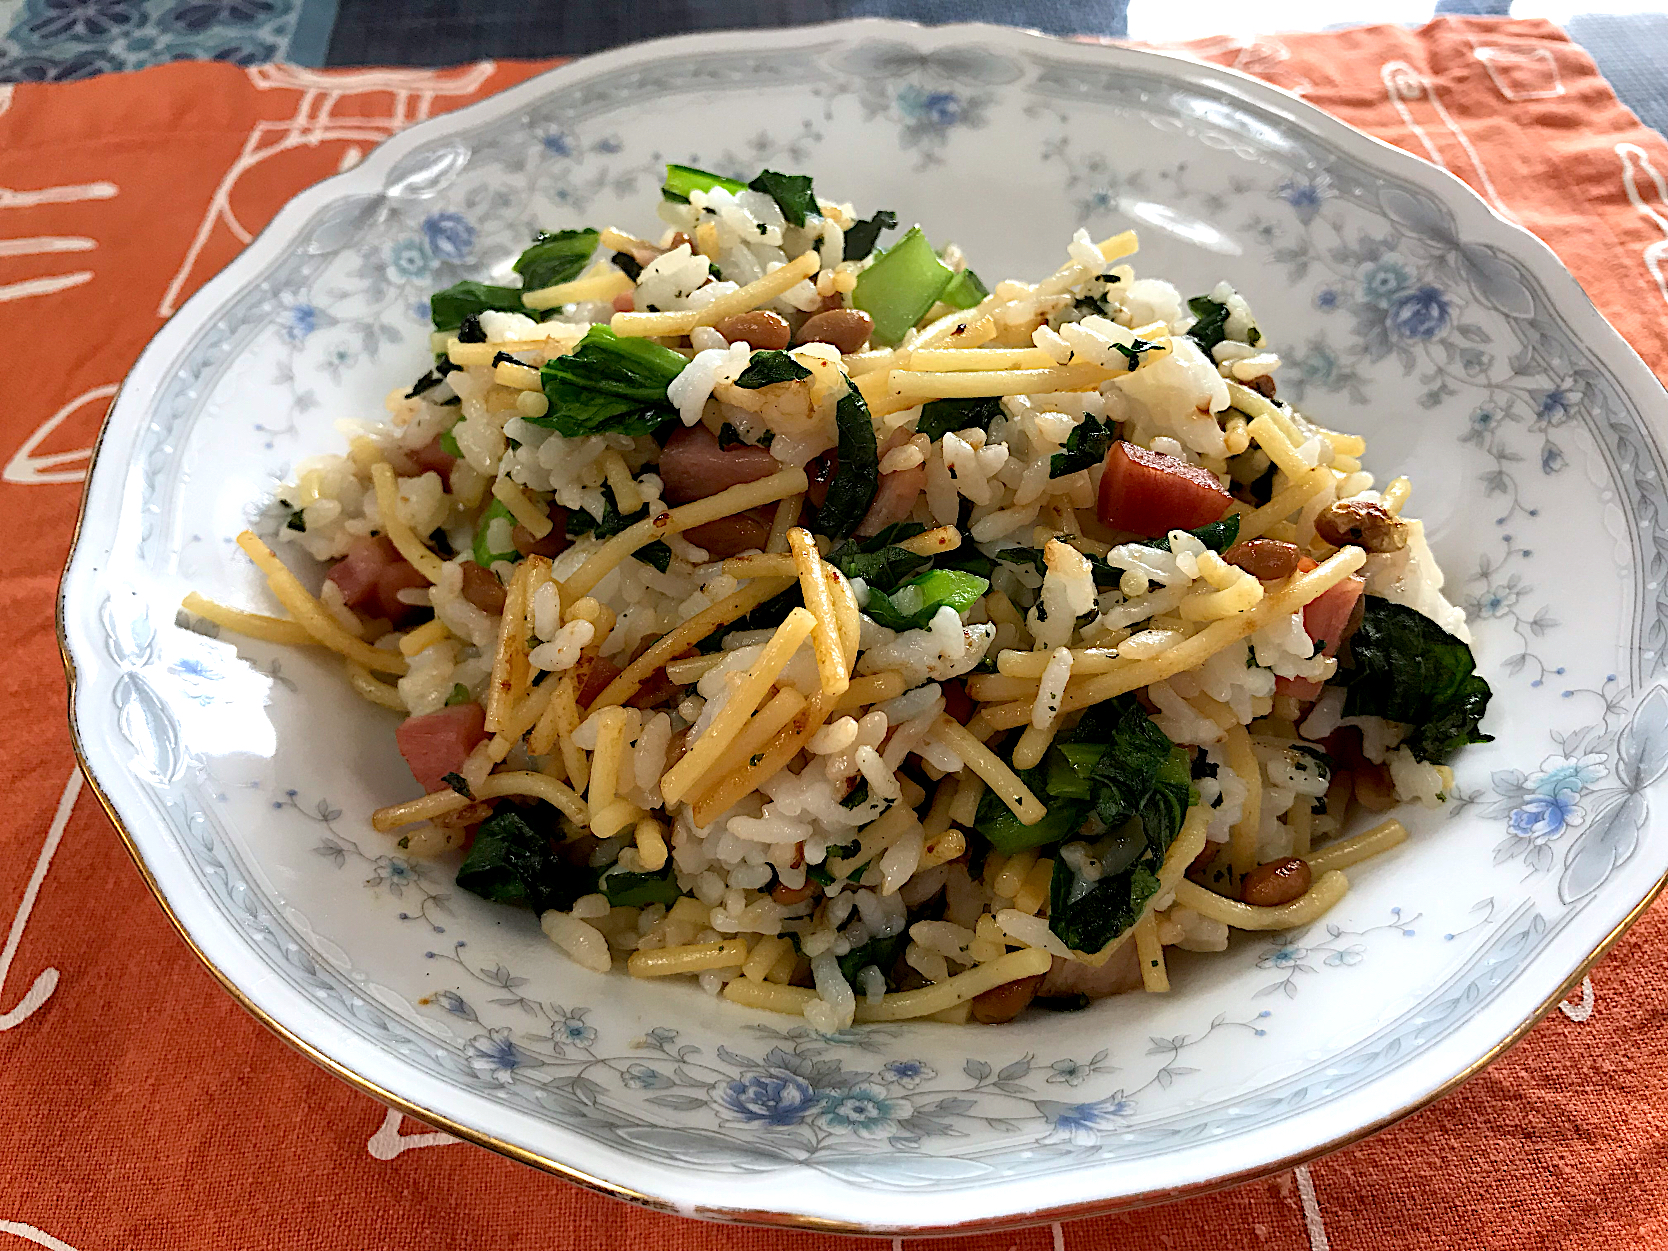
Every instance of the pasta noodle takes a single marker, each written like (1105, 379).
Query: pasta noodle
(779, 687)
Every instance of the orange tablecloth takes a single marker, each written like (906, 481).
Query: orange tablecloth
(142, 1108)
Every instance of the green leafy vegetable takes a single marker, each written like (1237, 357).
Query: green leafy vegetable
(613, 520)
(880, 952)
(768, 368)
(1219, 536)
(458, 783)
(996, 821)
(879, 561)
(903, 283)
(510, 862)
(1407, 668)
(942, 417)
(965, 290)
(639, 890)
(460, 695)
(913, 605)
(450, 307)
(555, 258)
(863, 235)
(854, 487)
(482, 550)
(656, 554)
(297, 521)
(682, 179)
(792, 193)
(1120, 768)
(1088, 915)
(1085, 447)
(609, 384)
(1210, 329)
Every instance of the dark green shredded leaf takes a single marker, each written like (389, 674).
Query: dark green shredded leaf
(297, 521)
(462, 300)
(854, 486)
(768, 368)
(510, 862)
(613, 520)
(862, 237)
(458, 783)
(470, 331)
(1085, 447)
(611, 384)
(1061, 1003)
(878, 560)
(428, 382)
(627, 264)
(1209, 330)
(859, 795)
(460, 695)
(729, 436)
(881, 952)
(942, 417)
(1404, 667)
(1219, 536)
(639, 890)
(555, 258)
(656, 554)
(792, 193)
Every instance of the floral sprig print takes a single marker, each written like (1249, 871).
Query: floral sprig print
(805, 1092)
(403, 877)
(1295, 953)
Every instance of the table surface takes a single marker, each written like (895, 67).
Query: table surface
(143, 1108)
(54, 40)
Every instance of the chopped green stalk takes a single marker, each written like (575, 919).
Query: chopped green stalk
(482, 551)
(899, 288)
(965, 290)
(449, 444)
(682, 179)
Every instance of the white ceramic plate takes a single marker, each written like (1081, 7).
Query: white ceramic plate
(243, 775)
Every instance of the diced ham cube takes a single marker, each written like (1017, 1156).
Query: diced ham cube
(592, 675)
(894, 500)
(1326, 618)
(1150, 493)
(371, 576)
(1327, 621)
(431, 457)
(437, 743)
(693, 466)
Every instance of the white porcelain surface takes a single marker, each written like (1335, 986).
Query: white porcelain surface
(245, 773)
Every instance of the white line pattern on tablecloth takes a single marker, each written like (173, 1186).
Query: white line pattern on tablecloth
(1404, 85)
(40, 990)
(29, 1233)
(388, 1142)
(1312, 1222)
(1635, 160)
(1579, 1012)
(411, 94)
(27, 469)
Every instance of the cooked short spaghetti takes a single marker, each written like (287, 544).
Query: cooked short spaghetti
(796, 615)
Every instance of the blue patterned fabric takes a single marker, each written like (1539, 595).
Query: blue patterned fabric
(59, 40)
